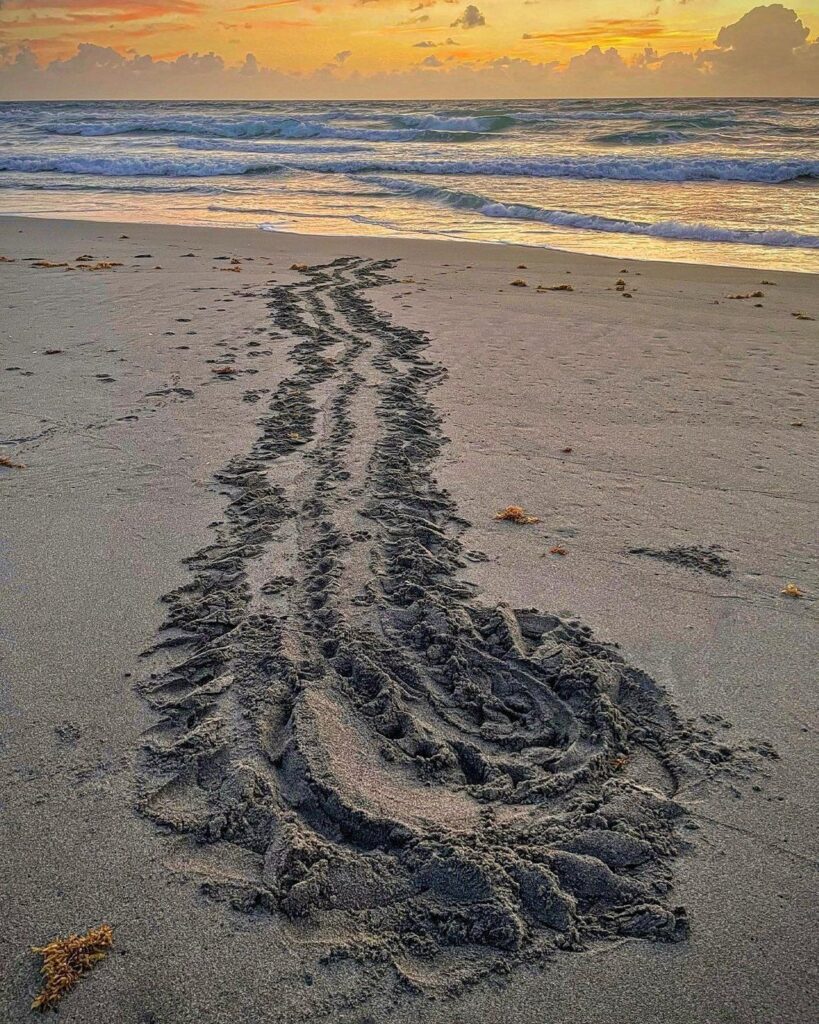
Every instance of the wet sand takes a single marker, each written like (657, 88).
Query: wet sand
(355, 780)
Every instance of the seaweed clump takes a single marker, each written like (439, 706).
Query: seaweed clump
(66, 960)
(516, 514)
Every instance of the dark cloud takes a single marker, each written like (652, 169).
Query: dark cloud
(423, 4)
(428, 44)
(764, 33)
(471, 18)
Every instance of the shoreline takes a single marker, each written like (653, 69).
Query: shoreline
(386, 238)
(664, 422)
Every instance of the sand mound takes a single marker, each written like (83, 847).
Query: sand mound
(690, 556)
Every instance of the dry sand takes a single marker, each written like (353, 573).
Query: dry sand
(363, 788)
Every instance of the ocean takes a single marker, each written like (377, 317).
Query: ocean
(717, 181)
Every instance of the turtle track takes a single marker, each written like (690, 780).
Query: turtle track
(354, 739)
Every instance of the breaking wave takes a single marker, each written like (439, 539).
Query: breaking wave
(615, 168)
(136, 166)
(641, 138)
(592, 168)
(480, 123)
(670, 229)
(277, 127)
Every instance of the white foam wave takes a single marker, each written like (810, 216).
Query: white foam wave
(275, 127)
(614, 168)
(445, 123)
(226, 128)
(495, 120)
(751, 169)
(641, 138)
(279, 148)
(135, 166)
(670, 229)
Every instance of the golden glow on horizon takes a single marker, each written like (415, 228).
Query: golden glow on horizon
(370, 35)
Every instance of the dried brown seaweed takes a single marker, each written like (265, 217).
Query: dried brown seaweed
(515, 514)
(66, 960)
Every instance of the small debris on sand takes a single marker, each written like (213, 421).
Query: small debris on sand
(771, 283)
(53, 351)
(66, 960)
(626, 295)
(223, 371)
(102, 265)
(7, 259)
(748, 295)
(47, 264)
(558, 549)
(10, 463)
(521, 266)
(301, 267)
(791, 590)
(519, 283)
(802, 316)
(516, 514)
(567, 451)
(555, 288)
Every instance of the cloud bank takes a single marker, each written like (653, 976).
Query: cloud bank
(767, 52)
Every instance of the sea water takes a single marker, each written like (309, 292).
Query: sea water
(713, 181)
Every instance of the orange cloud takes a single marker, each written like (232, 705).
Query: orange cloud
(386, 42)
(262, 7)
(604, 28)
(84, 13)
(110, 8)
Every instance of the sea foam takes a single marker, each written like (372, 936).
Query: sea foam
(670, 229)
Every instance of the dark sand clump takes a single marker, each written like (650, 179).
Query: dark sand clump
(690, 556)
(355, 741)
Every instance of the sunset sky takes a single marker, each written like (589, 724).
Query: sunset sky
(412, 47)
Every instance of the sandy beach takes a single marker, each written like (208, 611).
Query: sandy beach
(314, 731)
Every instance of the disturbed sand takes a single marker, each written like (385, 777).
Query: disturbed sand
(380, 756)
